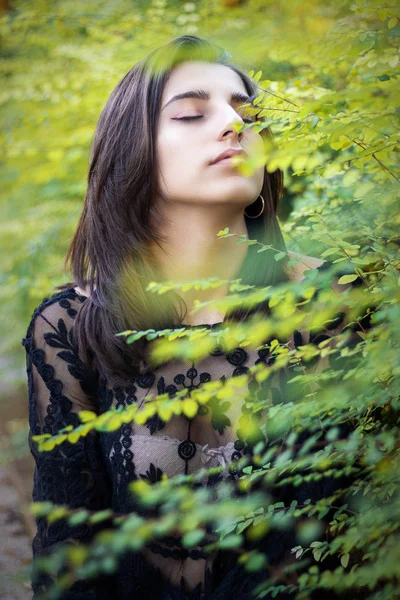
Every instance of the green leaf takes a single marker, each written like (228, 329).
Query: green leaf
(347, 279)
(351, 177)
(344, 559)
(231, 541)
(191, 538)
(223, 232)
(329, 252)
(85, 416)
(101, 516)
(332, 434)
(79, 517)
(242, 526)
(256, 562)
(317, 554)
(314, 121)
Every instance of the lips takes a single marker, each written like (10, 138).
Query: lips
(228, 154)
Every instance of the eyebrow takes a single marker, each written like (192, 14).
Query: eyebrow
(203, 95)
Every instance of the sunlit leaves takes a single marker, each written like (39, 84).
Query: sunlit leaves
(331, 101)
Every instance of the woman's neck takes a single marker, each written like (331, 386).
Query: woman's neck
(192, 251)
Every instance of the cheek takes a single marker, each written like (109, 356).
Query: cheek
(255, 148)
(175, 171)
(166, 148)
(179, 164)
(173, 150)
(255, 145)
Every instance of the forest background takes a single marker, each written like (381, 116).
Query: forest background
(330, 75)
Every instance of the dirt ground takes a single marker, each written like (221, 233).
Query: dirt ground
(16, 470)
(15, 544)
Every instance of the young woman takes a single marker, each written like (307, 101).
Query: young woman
(161, 185)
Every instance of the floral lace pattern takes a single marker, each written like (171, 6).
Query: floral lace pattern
(96, 471)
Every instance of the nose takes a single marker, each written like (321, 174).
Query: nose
(232, 120)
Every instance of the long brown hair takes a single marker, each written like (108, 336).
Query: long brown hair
(109, 253)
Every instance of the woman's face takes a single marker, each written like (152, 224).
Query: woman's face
(186, 148)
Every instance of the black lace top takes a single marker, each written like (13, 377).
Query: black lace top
(95, 472)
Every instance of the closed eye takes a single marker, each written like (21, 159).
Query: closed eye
(201, 116)
(188, 118)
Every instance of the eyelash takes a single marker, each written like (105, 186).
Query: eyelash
(201, 116)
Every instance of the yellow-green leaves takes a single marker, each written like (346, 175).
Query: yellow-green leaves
(332, 107)
(86, 416)
(189, 407)
(347, 279)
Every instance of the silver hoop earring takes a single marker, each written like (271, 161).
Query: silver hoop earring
(261, 211)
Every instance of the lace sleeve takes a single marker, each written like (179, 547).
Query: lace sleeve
(59, 386)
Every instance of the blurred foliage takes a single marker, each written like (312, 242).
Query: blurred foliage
(329, 76)
(13, 445)
(331, 71)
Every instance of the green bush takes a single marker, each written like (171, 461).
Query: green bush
(331, 77)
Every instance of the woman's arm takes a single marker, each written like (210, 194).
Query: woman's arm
(59, 386)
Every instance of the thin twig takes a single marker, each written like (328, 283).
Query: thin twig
(373, 155)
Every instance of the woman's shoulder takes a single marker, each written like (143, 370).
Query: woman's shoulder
(63, 304)
(296, 272)
(68, 298)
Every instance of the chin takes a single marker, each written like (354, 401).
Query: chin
(238, 196)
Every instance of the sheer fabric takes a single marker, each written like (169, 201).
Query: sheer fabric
(96, 471)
